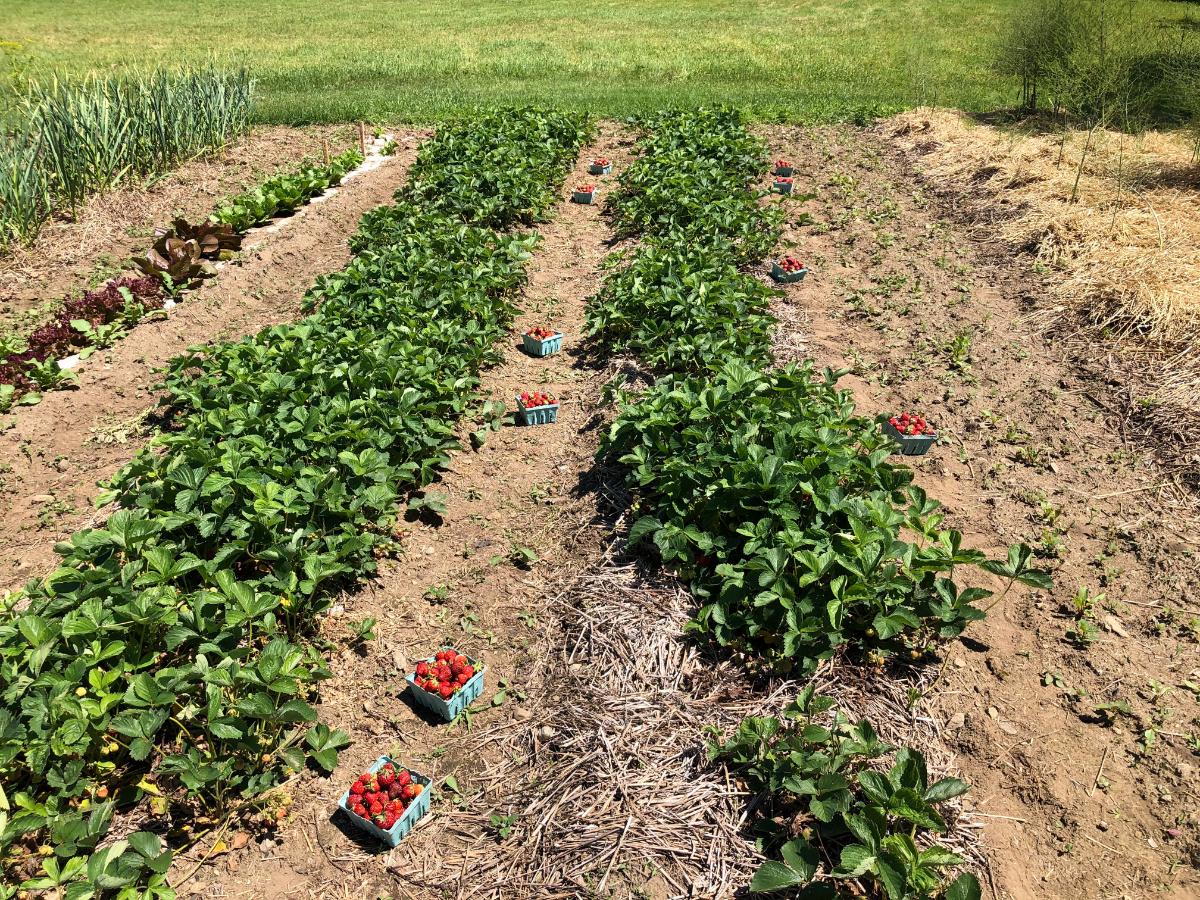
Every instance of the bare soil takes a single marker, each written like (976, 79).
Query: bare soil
(1073, 801)
(52, 454)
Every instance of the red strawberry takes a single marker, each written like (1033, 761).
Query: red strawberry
(376, 807)
(404, 777)
(356, 788)
(446, 690)
(394, 788)
(411, 790)
(386, 776)
(422, 668)
(360, 810)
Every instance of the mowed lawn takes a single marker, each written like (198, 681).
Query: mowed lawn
(334, 60)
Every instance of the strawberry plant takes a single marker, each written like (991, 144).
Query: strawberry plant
(681, 310)
(177, 639)
(778, 504)
(688, 187)
(762, 488)
(840, 825)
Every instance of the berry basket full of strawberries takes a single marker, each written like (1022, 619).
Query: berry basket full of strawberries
(584, 193)
(788, 270)
(541, 341)
(387, 800)
(446, 683)
(537, 408)
(783, 168)
(914, 435)
(783, 184)
(600, 166)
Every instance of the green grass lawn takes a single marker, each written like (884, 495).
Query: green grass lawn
(386, 60)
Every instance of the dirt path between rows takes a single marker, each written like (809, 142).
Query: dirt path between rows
(1082, 749)
(52, 454)
(466, 582)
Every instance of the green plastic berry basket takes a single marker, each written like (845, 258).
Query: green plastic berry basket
(412, 815)
(542, 346)
(537, 415)
(785, 277)
(448, 710)
(594, 169)
(783, 171)
(583, 196)
(782, 187)
(910, 444)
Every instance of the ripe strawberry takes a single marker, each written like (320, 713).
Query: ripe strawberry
(446, 690)
(357, 788)
(422, 669)
(360, 810)
(431, 686)
(411, 790)
(404, 777)
(394, 788)
(386, 776)
(376, 807)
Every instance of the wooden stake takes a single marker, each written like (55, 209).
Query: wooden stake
(362, 138)
(325, 151)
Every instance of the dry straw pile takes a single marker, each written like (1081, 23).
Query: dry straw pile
(1115, 221)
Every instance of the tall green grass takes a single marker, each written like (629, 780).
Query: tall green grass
(70, 138)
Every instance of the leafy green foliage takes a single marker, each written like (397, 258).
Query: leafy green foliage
(850, 820)
(688, 188)
(177, 637)
(764, 489)
(682, 311)
(283, 193)
(780, 505)
(679, 301)
(490, 169)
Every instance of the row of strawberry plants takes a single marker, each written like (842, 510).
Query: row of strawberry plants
(179, 259)
(778, 504)
(172, 651)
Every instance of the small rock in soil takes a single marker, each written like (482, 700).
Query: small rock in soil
(266, 845)
(957, 721)
(546, 732)
(39, 499)
(400, 661)
(239, 840)
(523, 714)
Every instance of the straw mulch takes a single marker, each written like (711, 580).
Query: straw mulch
(610, 791)
(1118, 239)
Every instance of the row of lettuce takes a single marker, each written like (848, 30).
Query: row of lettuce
(778, 504)
(172, 653)
(182, 255)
